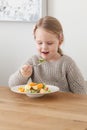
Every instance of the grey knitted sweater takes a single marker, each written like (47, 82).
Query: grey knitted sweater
(62, 73)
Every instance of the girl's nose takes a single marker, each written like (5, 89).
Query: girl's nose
(44, 46)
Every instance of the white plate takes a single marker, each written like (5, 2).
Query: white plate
(51, 88)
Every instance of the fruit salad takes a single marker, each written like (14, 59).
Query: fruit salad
(34, 88)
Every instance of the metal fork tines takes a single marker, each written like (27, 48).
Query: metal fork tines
(37, 64)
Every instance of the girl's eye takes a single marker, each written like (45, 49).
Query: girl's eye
(39, 43)
(49, 43)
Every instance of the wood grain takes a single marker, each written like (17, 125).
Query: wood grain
(58, 111)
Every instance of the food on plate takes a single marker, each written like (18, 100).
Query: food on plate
(34, 88)
(21, 89)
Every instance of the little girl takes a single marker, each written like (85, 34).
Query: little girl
(57, 69)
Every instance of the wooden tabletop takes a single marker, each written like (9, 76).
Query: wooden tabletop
(57, 111)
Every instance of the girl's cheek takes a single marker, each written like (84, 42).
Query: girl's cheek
(38, 48)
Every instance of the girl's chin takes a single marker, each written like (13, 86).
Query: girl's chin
(44, 57)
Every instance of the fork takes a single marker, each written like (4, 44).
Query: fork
(38, 64)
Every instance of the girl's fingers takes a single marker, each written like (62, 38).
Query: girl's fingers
(26, 70)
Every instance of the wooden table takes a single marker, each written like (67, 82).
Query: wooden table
(58, 111)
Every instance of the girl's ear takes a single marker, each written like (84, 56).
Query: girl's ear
(60, 38)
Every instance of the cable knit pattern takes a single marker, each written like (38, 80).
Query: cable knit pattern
(62, 73)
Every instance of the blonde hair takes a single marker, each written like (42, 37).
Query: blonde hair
(53, 25)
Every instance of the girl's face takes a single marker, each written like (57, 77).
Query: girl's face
(47, 44)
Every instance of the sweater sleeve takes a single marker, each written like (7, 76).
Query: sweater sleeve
(17, 78)
(75, 79)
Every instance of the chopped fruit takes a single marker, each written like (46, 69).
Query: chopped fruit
(40, 85)
(27, 87)
(34, 88)
(42, 91)
(46, 88)
(32, 84)
(21, 89)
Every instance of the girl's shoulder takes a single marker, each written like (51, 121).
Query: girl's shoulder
(68, 63)
(67, 60)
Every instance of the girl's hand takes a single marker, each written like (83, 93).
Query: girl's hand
(26, 70)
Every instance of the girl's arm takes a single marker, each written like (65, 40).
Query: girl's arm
(17, 79)
(20, 77)
(75, 79)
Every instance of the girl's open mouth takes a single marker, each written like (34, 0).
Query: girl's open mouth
(45, 53)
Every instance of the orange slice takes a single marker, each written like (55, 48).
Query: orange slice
(32, 84)
(40, 85)
(21, 89)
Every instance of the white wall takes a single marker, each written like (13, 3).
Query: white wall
(73, 16)
(17, 44)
